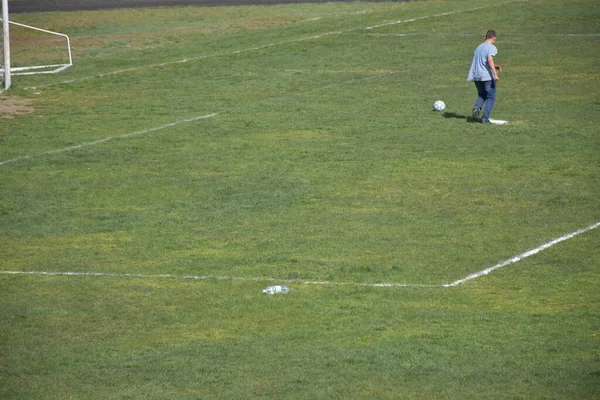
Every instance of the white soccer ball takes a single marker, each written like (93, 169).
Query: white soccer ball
(439, 105)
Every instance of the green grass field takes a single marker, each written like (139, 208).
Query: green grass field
(193, 156)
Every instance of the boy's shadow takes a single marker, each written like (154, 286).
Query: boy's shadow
(456, 116)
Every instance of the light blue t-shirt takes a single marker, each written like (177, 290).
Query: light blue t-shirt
(480, 70)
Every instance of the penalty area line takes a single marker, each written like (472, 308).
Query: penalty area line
(207, 277)
(274, 44)
(523, 256)
(475, 275)
(107, 139)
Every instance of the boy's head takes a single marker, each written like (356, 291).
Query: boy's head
(491, 34)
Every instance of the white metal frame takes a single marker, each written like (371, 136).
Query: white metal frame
(6, 46)
(57, 67)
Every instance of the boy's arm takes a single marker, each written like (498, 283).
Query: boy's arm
(493, 66)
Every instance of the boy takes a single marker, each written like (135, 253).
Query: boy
(484, 73)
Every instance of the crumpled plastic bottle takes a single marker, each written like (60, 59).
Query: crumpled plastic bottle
(277, 289)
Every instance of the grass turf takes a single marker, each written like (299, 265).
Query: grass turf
(325, 162)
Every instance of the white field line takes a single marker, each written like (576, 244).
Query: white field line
(106, 139)
(209, 276)
(475, 275)
(524, 255)
(265, 46)
(443, 14)
(109, 138)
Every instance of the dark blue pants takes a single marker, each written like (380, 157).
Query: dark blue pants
(486, 90)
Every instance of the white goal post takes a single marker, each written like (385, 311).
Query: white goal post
(5, 45)
(6, 69)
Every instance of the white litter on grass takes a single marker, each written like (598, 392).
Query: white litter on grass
(498, 121)
(475, 275)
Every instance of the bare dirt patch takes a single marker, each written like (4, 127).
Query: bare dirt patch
(10, 107)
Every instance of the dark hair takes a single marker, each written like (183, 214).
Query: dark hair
(490, 34)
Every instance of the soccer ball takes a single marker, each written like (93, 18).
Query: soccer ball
(439, 105)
